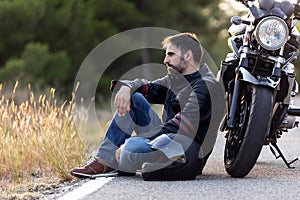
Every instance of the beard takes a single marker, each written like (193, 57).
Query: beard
(172, 69)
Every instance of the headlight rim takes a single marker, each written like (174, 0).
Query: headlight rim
(256, 32)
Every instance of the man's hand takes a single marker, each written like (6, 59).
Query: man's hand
(122, 100)
(118, 152)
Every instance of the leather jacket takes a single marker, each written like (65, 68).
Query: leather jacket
(186, 100)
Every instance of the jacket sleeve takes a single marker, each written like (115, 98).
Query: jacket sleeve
(154, 91)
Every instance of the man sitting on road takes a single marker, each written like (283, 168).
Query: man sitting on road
(185, 94)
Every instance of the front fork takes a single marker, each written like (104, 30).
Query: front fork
(233, 104)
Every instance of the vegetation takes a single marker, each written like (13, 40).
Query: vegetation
(38, 139)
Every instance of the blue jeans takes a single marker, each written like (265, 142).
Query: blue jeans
(141, 118)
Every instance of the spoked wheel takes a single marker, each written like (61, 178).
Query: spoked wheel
(245, 140)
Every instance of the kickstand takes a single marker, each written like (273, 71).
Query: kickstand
(288, 164)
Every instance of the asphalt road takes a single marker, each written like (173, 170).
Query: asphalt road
(269, 179)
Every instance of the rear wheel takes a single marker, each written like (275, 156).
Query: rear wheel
(244, 142)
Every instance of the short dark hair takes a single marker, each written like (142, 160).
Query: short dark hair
(185, 41)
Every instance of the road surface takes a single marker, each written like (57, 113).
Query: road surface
(269, 179)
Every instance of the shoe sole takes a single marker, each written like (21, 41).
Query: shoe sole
(93, 176)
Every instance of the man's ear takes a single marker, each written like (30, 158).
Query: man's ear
(188, 55)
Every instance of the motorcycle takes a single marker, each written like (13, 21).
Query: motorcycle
(258, 76)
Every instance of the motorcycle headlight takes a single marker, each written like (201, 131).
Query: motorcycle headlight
(271, 33)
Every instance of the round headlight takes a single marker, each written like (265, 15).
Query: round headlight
(271, 33)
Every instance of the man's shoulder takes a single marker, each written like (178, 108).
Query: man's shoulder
(206, 77)
(207, 82)
(206, 73)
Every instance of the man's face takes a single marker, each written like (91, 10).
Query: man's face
(173, 59)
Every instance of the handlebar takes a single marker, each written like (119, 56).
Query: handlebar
(237, 20)
(249, 4)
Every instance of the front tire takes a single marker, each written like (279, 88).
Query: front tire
(244, 142)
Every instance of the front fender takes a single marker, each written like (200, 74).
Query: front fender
(245, 75)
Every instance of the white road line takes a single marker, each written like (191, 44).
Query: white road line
(86, 189)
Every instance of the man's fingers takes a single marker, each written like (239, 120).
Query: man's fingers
(122, 106)
(128, 107)
(117, 155)
(122, 101)
(121, 112)
(117, 102)
(118, 152)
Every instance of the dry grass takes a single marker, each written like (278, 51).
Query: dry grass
(38, 140)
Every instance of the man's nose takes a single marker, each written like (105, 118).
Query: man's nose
(166, 60)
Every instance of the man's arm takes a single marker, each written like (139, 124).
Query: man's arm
(153, 91)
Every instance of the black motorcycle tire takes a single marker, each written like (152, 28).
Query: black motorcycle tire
(244, 142)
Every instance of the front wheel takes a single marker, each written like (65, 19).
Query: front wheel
(244, 142)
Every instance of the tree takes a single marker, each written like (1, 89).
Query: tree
(38, 66)
(46, 41)
(18, 20)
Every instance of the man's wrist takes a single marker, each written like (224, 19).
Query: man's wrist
(125, 88)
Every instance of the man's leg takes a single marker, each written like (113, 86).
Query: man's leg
(171, 170)
(135, 152)
(140, 118)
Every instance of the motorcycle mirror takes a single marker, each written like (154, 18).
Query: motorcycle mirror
(236, 20)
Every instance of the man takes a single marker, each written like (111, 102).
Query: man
(187, 114)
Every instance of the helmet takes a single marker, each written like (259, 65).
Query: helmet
(173, 170)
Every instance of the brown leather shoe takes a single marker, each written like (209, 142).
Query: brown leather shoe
(96, 167)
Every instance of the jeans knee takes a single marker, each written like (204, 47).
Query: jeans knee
(138, 100)
(132, 155)
(136, 145)
(137, 96)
